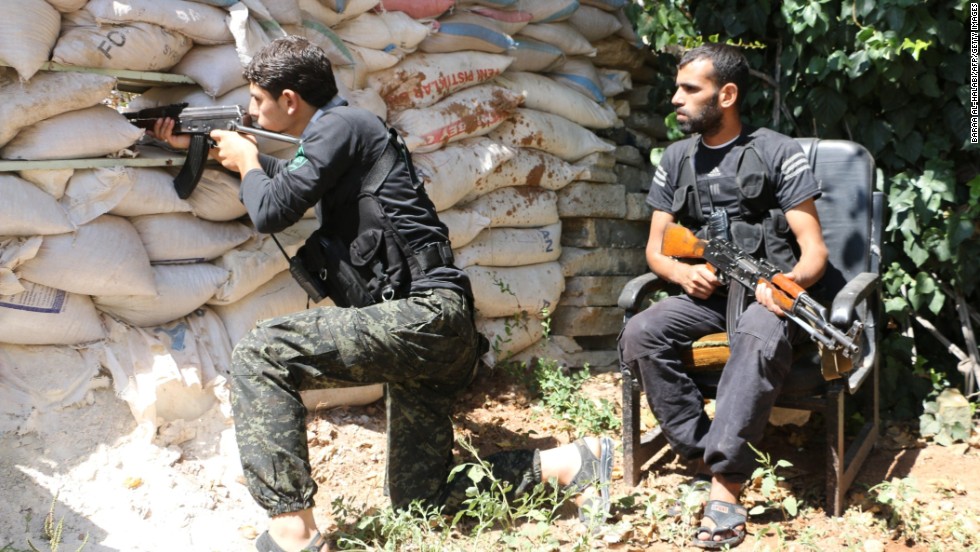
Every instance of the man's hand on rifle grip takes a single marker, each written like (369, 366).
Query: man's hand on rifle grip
(235, 151)
(698, 281)
(163, 129)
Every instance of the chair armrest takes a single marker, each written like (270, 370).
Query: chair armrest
(843, 311)
(631, 298)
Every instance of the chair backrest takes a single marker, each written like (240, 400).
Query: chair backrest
(846, 174)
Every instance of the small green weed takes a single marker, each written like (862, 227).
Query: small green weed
(769, 486)
(52, 531)
(898, 500)
(561, 395)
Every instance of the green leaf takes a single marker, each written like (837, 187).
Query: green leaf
(827, 105)
(756, 510)
(790, 505)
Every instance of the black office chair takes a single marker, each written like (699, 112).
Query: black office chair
(851, 213)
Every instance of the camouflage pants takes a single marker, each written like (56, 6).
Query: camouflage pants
(423, 347)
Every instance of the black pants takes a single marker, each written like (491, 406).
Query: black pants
(760, 358)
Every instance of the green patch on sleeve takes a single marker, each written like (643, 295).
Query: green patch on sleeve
(297, 161)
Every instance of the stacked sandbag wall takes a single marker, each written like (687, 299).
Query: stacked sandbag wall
(501, 102)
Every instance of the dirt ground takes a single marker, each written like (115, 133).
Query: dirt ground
(115, 488)
(348, 448)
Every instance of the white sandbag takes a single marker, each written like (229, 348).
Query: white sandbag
(546, 11)
(70, 136)
(46, 95)
(28, 211)
(93, 192)
(594, 23)
(449, 174)
(512, 247)
(41, 315)
(614, 81)
(606, 5)
(183, 238)
(253, 28)
(561, 35)
(48, 377)
(279, 296)
(13, 253)
(534, 56)
(467, 31)
(152, 193)
(367, 98)
(463, 224)
(258, 260)
(390, 31)
(322, 12)
(545, 94)
(581, 75)
(417, 9)
(202, 23)
(421, 80)
(67, 6)
(136, 46)
(350, 7)
(518, 207)
(216, 69)
(368, 61)
(551, 133)
(508, 336)
(286, 12)
(323, 36)
(528, 167)
(180, 290)
(506, 291)
(28, 31)
(508, 21)
(103, 257)
(216, 197)
(474, 111)
(51, 181)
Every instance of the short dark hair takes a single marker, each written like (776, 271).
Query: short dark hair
(293, 63)
(730, 65)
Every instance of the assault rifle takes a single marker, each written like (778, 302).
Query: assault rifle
(199, 122)
(726, 258)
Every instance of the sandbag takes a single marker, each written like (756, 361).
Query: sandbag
(202, 23)
(508, 336)
(279, 296)
(421, 80)
(216, 197)
(606, 5)
(534, 55)
(467, 31)
(173, 238)
(449, 174)
(507, 291)
(579, 74)
(216, 69)
(614, 81)
(48, 377)
(418, 9)
(52, 181)
(93, 192)
(323, 36)
(135, 46)
(470, 112)
(46, 95)
(508, 21)
(528, 167)
(551, 133)
(544, 94)
(180, 290)
(463, 224)
(517, 207)
(13, 253)
(28, 211)
(390, 31)
(41, 315)
(67, 6)
(325, 14)
(152, 193)
(546, 11)
(102, 257)
(28, 31)
(561, 35)
(512, 247)
(594, 23)
(69, 136)
(367, 60)
(258, 260)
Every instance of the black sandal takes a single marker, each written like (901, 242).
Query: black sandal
(727, 517)
(594, 472)
(265, 543)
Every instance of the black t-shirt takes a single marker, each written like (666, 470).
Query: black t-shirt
(339, 147)
(716, 168)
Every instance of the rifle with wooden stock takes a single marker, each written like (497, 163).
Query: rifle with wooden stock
(727, 259)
